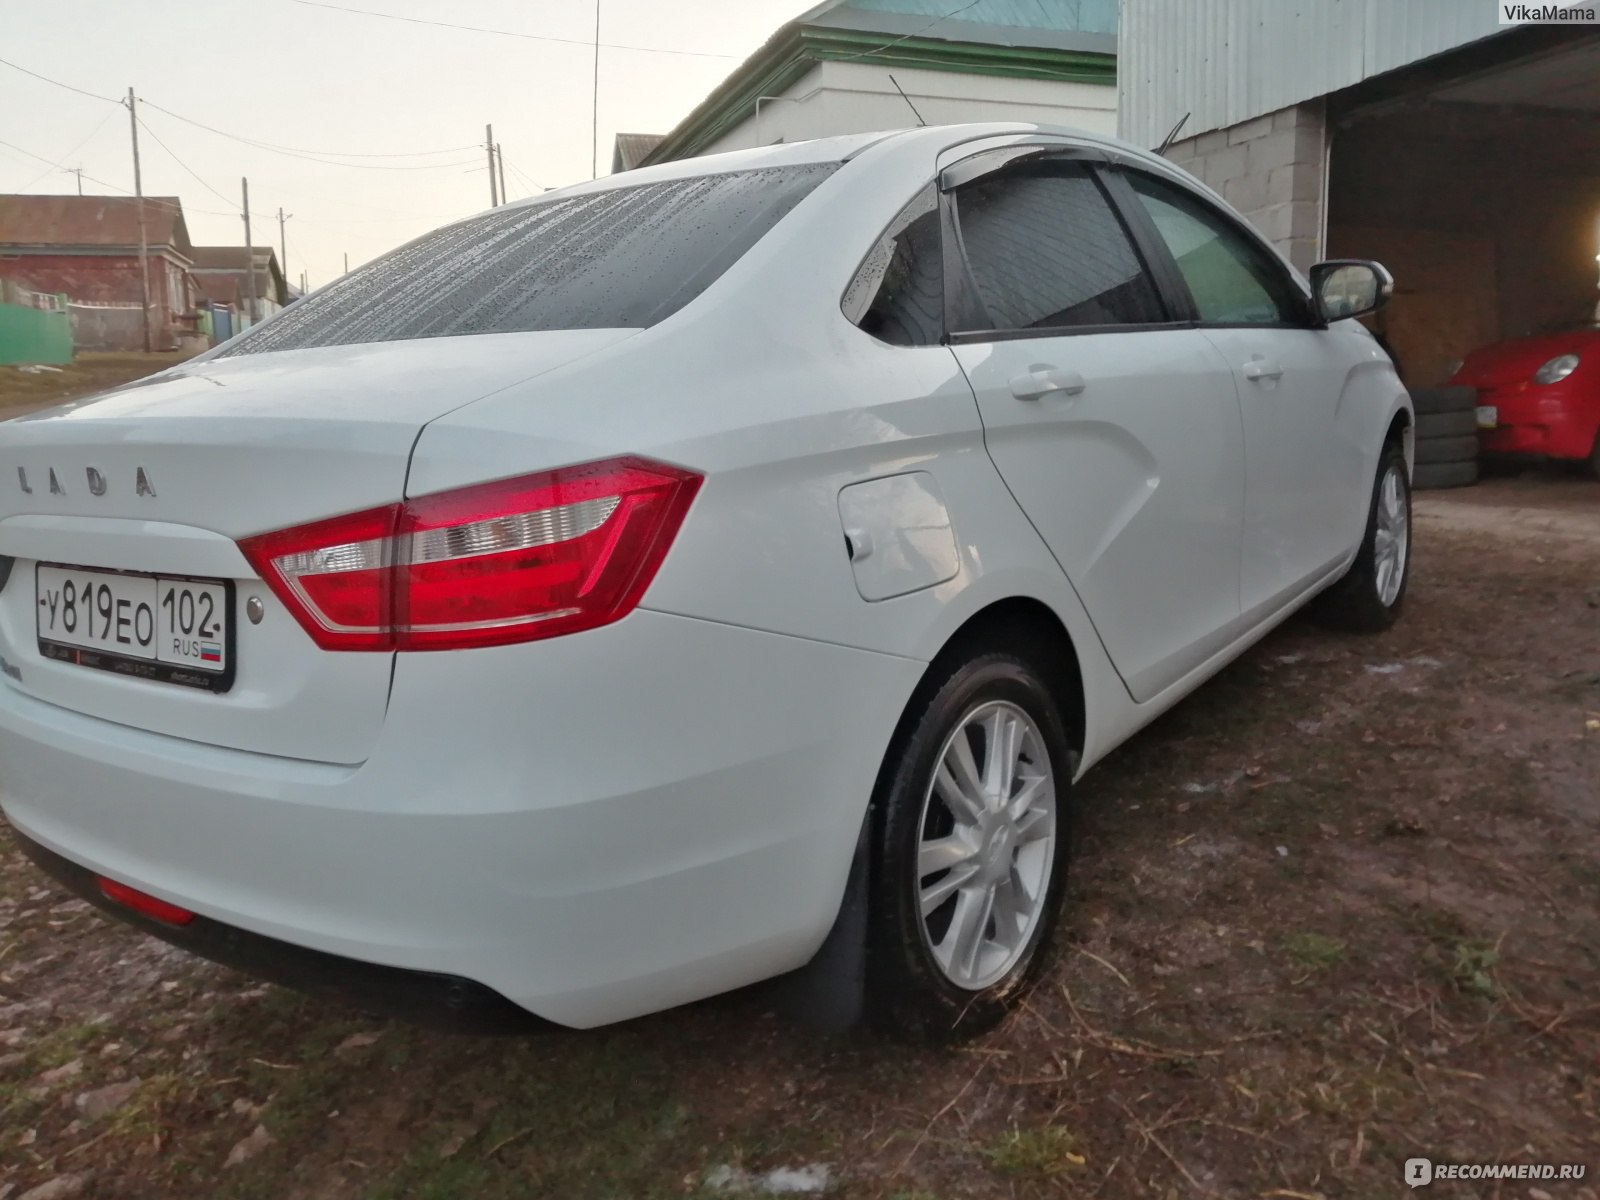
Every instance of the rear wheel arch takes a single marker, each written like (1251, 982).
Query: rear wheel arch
(829, 991)
(1028, 628)
(1002, 653)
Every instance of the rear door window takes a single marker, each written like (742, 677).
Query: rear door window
(626, 257)
(1046, 250)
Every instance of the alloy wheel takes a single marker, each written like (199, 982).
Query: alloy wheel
(1391, 536)
(987, 844)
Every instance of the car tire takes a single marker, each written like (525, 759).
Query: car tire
(1427, 401)
(953, 972)
(1436, 476)
(1459, 423)
(1369, 597)
(1594, 457)
(1435, 450)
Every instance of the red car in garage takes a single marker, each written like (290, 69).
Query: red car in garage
(1540, 395)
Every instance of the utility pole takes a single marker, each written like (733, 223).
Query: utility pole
(594, 129)
(78, 171)
(488, 143)
(347, 262)
(283, 244)
(305, 283)
(500, 156)
(250, 255)
(138, 199)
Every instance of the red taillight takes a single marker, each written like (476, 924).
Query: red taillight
(149, 906)
(502, 562)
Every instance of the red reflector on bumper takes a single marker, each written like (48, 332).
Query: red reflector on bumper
(149, 906)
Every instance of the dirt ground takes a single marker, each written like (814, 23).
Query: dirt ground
(25, 389)
(1339, 909)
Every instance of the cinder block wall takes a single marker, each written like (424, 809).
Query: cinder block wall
(1270, 169)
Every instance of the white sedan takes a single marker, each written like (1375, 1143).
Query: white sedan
(716, 572)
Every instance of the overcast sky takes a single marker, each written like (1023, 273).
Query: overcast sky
(309, 78)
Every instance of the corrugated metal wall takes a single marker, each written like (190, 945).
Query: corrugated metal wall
(1225, 61)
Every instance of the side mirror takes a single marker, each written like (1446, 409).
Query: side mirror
(1350, 287)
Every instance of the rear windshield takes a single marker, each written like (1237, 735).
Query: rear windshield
(624, 258)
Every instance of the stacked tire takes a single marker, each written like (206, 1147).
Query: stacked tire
(1447, 437)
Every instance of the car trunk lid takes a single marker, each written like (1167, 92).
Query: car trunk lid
(164, 476)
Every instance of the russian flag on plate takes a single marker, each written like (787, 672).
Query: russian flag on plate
(210, 652)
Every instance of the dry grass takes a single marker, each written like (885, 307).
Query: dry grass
(23, 391)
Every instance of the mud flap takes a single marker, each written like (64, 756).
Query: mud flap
(829, 992)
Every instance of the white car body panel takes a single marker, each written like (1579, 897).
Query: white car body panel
(609, 858)
(1306, 454)
(1136, 483)
(612, 822)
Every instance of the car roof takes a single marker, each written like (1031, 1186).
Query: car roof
(840, 148)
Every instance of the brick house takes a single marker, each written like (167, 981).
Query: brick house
(87, 247)
(221, 276)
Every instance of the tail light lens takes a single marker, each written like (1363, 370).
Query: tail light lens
(509, 561)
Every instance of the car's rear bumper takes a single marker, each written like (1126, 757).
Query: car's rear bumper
(1544, 422)
(593, 827)
(421, 997)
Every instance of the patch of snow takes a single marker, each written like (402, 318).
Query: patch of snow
(247, 1148)
(1216, 785)
(1385, 668)
(783, 1181)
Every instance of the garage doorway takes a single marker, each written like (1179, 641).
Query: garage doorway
(1475, 177)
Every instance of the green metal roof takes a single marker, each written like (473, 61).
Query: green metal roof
(1061, 40)
(1062, 16)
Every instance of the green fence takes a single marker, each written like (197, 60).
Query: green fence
(35, 335)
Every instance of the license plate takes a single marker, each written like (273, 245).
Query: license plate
(1488, 416)
(159, 627)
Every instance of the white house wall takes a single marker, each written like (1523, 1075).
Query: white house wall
(1227, 61)
(843, 97)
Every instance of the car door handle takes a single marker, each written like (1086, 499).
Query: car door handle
(1263, 368)
(1046, 381)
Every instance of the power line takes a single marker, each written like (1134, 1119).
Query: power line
(326, 157)
(33, 182)
(956, 12)
(534, 37)
(145, 125)
(172, 154)
(156, 200)
(312, 155)
(59, 167)
(58, 83)
(534, 186)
